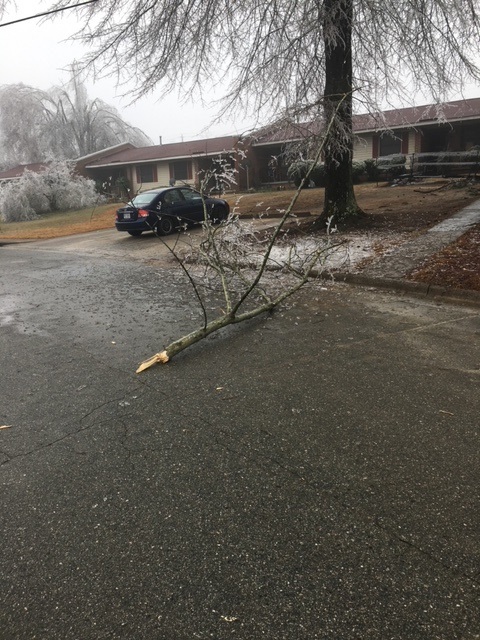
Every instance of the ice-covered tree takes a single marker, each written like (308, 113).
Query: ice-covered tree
(312, 58)
(80, 126)
(23, 120)
(55, 188)
(60, 123)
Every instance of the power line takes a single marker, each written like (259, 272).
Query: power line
(47, 13)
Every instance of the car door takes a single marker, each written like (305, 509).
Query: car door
(173, 204)
(193, 204)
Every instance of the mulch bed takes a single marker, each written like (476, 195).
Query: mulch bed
(456, 266)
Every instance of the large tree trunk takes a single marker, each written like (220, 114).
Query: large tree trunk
(340, 201)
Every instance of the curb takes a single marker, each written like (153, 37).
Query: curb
(420, 289)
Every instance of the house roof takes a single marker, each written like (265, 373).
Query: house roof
(209, 146)
(19, 170)
(391, 119)
(411, 116)
(37, 167)
(97, 155)
(282, 132)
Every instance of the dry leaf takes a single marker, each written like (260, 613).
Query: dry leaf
(6, 426)
(448, 413)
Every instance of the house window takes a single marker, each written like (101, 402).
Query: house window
(181, 170)
(390, 145)
(146, 173)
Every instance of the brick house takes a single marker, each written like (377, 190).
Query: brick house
(259, 159)
(185, 162)
(454, 126)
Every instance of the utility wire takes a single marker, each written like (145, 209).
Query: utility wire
(47, 13)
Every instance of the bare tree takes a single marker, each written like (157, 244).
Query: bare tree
(283, 54)
(62, 123)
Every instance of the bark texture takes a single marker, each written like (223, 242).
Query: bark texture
(340, 201)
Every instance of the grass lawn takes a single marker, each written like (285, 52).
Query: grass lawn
(403, 208)
(413, 208)
(56, 225)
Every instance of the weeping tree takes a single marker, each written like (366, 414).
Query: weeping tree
(308, 59)
(84, 125)
(63, 123)
(22, 122)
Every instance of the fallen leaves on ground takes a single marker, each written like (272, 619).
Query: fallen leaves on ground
(456, 266)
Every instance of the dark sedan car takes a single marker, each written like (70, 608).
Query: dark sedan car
(163, 210)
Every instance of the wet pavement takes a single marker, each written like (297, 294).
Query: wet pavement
(310, 475)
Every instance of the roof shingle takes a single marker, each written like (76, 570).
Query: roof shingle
(208, 146)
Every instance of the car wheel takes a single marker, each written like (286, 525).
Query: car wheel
(219, 215)
(135, 233)
(164, 226)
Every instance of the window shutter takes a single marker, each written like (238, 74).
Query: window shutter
(172, 172)
(154, 174)
(189, 170)
(139, 175)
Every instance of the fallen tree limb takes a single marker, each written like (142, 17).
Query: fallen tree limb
(440, 188)
(218, 252)
(215, 325)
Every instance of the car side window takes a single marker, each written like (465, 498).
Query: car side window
(190, 195)
(172, 197)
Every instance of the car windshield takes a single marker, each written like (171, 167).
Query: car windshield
(143, 199)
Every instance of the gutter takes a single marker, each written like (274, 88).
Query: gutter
(200, 154)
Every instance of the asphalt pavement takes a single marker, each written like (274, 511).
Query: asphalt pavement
(308, 475)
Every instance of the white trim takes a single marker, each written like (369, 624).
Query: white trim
(265, 144)
(416, 124)
(103, 151)
(129, 163)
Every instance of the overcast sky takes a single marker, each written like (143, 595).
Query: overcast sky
(37, 52)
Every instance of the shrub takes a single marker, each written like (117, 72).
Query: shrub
(390, 167)
(299, 169)
(447, 163)
(358, 171)
(385, 167)
(426, 164)
(57, 188)
(15, 206)
(373, 174)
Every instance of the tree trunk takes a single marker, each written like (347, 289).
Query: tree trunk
(340, 202)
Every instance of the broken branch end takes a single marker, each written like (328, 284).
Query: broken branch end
(158, 358)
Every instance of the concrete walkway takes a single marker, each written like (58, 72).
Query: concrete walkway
(391, 270)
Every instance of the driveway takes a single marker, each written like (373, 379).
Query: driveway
(310, 475)
(112, 244)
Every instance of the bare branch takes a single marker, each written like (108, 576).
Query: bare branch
(213, 249)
